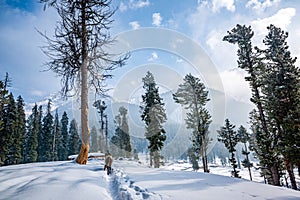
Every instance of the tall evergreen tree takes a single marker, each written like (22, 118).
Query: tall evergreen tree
(154, 115)
(193, 96)
(57, 146)
(250, 61)
(31, 139)
(47, 131)
(9, 121)
(73, 144)
(65, 136)
(77, 52)
(19, 132)
(40, 136)
(280, 88)
(229, 137)
(244, 137)
(4, 136)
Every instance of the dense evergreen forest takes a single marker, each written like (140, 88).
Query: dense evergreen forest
(38, 138)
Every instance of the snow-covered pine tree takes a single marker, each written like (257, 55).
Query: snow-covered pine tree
(251, 62)
(31, 139)
(192, 94)
(229, 137)
(65, 136)
(9, 128)
(94, 140)
(57, 146)
(154, 115)
(20, 131)
(40, 136)
(73, 142)
(244, 137)
(77, 52)
(4, 136)
(47, 131)
(281, 92)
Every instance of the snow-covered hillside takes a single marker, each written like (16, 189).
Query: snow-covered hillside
(130, 180)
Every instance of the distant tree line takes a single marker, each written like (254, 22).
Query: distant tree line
(39, 138)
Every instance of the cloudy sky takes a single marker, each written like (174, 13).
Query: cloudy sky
(204, 22)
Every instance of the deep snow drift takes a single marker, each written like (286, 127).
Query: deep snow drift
(130, 180)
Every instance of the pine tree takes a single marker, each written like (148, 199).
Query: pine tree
(244, 137)
(76, 53)
(40, 136)
(9, 121)
(252, 63)
(154, 115)
(4, 136)
(193, 96)
(65, 136)
(57, 146)
(73, 144)
(94, 140)
(47, 131)
(229, 137)
(19, 132)
(31, 139)
(281, 86)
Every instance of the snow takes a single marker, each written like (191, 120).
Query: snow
(130, 180)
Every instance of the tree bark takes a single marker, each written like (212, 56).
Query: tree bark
(275, 174)
(85, 132)
(289, 168)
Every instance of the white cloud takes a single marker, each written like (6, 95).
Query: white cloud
(218, 4)
(133, 5)
(214, 39)
(156, 19)
(123, 7)
(261, 6)
(138, 4)
(135, 25)
(235, 85)
(281, 19)
(153, 57)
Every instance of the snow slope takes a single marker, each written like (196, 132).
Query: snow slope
(130, 180)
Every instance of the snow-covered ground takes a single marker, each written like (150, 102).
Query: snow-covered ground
(130, 181)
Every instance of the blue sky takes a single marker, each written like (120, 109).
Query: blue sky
(202, 21)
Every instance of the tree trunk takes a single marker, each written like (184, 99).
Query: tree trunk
(289, 168)
(156, 159)
(275, 175)
(85, 147)
(298, 165)
(247, 157)
(85, 134)
(151, 158)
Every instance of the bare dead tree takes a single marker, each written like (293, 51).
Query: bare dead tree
(77, 52)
